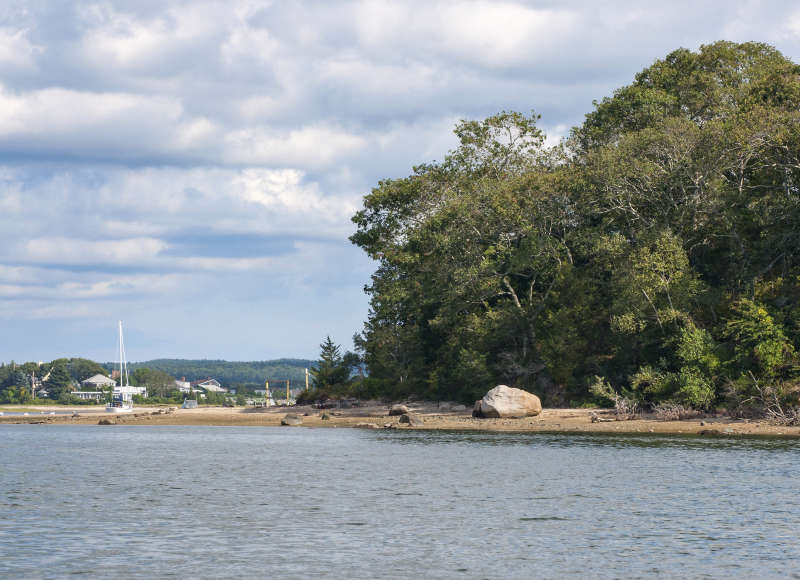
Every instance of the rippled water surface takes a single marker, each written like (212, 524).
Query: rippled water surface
(223, 502)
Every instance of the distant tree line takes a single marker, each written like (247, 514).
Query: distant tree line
(229, 372)
(652, 255)
(64, 375)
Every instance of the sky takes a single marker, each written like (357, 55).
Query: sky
(190, 168)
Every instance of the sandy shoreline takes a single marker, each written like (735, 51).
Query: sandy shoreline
(550, 421)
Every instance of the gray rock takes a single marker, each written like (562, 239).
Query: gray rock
(507, 402)
(458, 408)
(476, 409)
(106, 422)
(365, 426)
(411, 420)
(292, 420)
(398, 410)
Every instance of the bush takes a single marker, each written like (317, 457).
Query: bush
(778, 402)
(675, 412)
(311, 396)
(625, 405)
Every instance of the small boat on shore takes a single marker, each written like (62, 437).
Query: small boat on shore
(122, 401)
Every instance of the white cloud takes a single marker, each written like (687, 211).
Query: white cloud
(108, 203)
(121, 285)
(285, 192)
(130, 127)
(793, 25)
(109, 286)
(30, 310)
(29, 274)
(132, 251)
(312, 146)
(17, 52)
(493, 35)
(133, 43)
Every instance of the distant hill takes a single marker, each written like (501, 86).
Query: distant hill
(230, 372)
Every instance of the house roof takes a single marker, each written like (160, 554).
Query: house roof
(99, 379)
(204, 382)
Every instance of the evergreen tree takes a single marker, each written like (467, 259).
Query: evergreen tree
(59, 382)
(331, 373)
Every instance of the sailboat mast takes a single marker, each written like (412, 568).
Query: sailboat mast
(123, 364)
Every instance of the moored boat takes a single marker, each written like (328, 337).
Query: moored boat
(122, 398)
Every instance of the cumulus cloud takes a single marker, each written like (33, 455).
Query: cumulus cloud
(17, 52)
(72, 251)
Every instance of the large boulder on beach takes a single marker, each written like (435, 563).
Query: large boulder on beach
(292, 420)
(508, 402)
(397, 410)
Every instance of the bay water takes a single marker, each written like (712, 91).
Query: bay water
(232, 502)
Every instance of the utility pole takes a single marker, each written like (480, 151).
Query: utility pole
(287, 392)
(266, 394)
(306, 379)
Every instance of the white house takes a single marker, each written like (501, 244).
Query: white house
(86, 395)
(208, 385)
(98, 382)
(183, 385)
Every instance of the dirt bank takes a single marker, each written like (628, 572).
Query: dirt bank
(551, 420)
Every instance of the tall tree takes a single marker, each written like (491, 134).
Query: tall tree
(330, 372)
(59, 383)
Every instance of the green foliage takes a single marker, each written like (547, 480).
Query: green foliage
(614, 254)
(59, 384)
(759, 344)
(158, 383)
(694, 388)
(81, 369)
(331, 374)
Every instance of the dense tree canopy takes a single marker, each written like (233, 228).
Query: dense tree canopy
(158, 382)
(15, 386)
(655, 247)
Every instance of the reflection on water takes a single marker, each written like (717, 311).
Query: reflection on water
(220, 502)
(602, 439)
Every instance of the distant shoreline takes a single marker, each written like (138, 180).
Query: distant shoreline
(550, 421)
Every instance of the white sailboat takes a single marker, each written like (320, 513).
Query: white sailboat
(122, 398)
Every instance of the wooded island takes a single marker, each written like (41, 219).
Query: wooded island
(650, 259)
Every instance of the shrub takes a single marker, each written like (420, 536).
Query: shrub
(625, 405)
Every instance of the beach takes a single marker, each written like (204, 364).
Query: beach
(376, 416)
